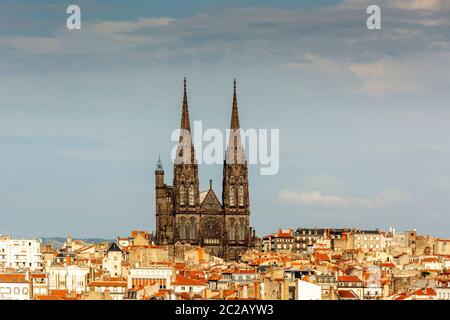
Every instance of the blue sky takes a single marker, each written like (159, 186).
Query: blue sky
(363, 115)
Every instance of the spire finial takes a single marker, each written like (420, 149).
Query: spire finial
(159, 166)
(185, 109)
(234, 113)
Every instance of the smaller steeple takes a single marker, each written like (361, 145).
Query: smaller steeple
(159, 165)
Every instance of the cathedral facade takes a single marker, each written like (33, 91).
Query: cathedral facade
(186, 215)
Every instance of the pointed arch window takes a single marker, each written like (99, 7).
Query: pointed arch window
(182, 195)
(182, 228)
(191, 195)
(241, 196)
(193, 229)
(242, 230)
(232, 196)
(187, 228)
(232, 230)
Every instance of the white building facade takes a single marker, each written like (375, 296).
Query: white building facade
(20, 254)
(143, 276)
(308, 291)
(14, 287)
(72, 278)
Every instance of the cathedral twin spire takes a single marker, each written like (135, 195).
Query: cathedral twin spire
(234, 152)
(185, 122)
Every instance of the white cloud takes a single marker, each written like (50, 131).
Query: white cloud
(382, 77)
(31, 44)
(99, 37)
(386, 198)
(412, 74)
(386, 76)
(114, 27)
(314, 198)
(429, 5)
(317, 63)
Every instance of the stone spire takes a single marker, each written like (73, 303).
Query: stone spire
(235, 114)
(185, 151)
(235, 153)
(185, 123)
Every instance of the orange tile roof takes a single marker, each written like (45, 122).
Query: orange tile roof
(284, 235)
(425, 292)
(348, 279)
(388, 264)
(59, 293)
(245, 271)
(347, 294)
(48, 297)
(183, 281)
(321, 257)
(429, 260)
(106, 283)
(13, 278)
(402, 296)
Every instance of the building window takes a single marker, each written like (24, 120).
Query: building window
(241, 196)
(242, 230)
(232, 196)
(193, 229)
(232, 230)
(182, 195)
(182, 228)
(191, 195)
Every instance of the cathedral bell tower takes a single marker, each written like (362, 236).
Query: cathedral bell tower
(235, 196)
(185, 180)
(164, 218)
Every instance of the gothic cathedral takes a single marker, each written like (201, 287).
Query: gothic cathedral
(188, 216)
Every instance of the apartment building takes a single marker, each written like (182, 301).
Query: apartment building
(72, 278)
(144, 276)
(20, 254)
(15, 287)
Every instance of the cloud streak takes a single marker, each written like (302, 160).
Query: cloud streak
(386, 198)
